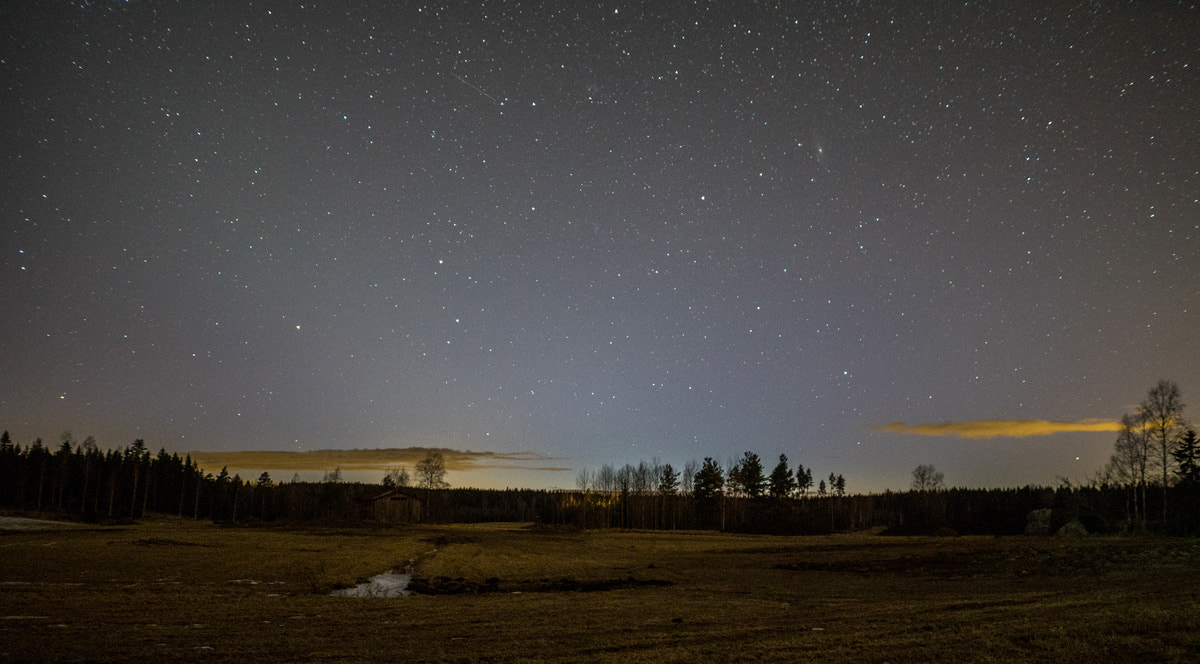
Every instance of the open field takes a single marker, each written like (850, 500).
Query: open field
(173, 590)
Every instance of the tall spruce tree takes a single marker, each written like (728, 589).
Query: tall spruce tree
(804, 479)
(709, 480)
(1187, 458)
(668, 480)
(751, 477)
(782, 484)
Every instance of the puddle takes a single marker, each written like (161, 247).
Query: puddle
(388, 584)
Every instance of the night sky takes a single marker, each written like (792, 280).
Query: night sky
(602, 232)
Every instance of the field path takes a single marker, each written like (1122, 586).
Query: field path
(22, 523)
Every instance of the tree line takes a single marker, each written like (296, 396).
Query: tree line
(78, 479)
(740, 477)
(703, 494)
(1152, 481)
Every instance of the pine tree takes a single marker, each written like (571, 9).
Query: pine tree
(63, 459)
(668, 481)
(133, 456)
(751, 477)
(804, 479)
(39, 457)
(782, 484)
(709, 480)
(1187, 458)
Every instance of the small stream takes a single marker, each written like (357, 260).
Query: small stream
(388, 584)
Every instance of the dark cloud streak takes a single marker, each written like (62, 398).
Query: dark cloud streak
(376, 459)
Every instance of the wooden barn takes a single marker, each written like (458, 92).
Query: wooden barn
(393, 505)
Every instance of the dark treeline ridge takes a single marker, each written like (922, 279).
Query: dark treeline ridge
(84, 482)
(81, 481)
(945, 511)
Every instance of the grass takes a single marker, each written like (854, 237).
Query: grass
(173, 590)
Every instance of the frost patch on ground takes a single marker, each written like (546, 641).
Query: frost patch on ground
(388, 584)
(22, 523)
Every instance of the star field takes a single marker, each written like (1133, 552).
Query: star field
(604, 232)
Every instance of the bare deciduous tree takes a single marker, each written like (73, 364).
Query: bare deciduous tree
(687, 483)
(583, 480)
(606, 478)
(1162, 417)
(643, 476)
(1128, 465)
(396, 476)
(431, 471)
(927, 478)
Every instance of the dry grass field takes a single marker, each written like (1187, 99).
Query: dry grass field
(173, 590)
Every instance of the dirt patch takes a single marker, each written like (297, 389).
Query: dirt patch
(162, 541)
(914, 564)
(1007, 559)
(442, 585)
(440, 541)
(554, 529)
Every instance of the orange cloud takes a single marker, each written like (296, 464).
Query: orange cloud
(999, 428)
(377, 459)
